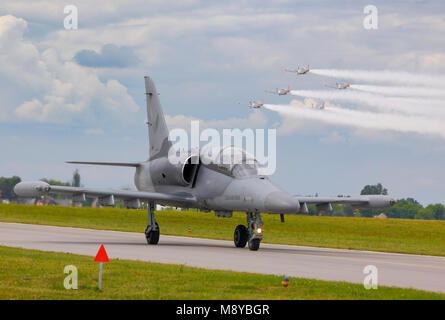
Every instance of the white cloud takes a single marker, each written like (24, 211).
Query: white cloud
(251, 53)
(50, 11)
(434, 61)
(54, 90)
(150, 35)
(332, 138)
(256, 119)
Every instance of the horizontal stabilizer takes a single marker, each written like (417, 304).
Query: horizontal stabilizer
(116, 164)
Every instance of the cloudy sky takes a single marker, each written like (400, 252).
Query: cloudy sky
(79, 94)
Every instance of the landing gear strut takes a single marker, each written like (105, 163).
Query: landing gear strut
(252, 234)
(152, 231)
(255, 228)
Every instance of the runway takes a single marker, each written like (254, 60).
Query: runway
(401, 270)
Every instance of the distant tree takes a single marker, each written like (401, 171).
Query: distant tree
(7, 186)
(348, 211)
(312, 210)
(403, 209)
(412, 200)
(374, 189)
(438, 210)
(76, 179)
(425, 214)
(338, 210)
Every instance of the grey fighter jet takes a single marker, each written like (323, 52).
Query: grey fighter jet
(191, 183)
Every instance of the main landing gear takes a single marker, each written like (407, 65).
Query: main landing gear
(152, 231)
(252, 234)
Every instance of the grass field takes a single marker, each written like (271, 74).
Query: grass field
(391, 235)
(31, 274)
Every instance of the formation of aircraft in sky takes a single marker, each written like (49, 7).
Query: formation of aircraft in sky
(191, 182)
(283, 91)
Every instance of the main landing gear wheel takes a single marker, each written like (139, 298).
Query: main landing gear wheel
(240, 236)
(152, 236)
(254, 244)
(152, 231)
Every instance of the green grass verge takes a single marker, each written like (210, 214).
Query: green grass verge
(31, 274)
(390, 235)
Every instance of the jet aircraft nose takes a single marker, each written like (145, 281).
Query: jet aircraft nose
(281, 202)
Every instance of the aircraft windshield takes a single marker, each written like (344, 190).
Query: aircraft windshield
(244, 170)
(231, 160)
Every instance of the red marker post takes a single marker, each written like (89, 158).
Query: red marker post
(101, 257)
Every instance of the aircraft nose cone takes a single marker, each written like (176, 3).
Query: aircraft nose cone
(281, 202)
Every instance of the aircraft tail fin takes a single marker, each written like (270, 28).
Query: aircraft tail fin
(157, 127)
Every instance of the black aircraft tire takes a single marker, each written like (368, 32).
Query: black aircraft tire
(254, 244)
(240, 236)
(153, 236)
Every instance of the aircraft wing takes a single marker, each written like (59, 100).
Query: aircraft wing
(106, 196)
(364, 202)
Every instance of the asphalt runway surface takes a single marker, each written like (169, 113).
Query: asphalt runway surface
(400, 270)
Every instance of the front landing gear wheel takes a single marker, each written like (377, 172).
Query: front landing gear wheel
(152, 236)
(255, 229)
(240, 236)
(254, 244)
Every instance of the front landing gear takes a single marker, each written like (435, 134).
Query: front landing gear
(252, 234)
(255, 228)
(152, 231)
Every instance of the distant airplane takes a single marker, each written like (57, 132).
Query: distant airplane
(340, 85)
(299, 70)
(280, 92)
(320, 106)
(256, 104)
(209, 185)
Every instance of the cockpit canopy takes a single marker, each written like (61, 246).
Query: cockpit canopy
(230, 160)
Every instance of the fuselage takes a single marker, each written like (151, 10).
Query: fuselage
(219, 191)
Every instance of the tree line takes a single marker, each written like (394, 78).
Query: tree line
(408, 208)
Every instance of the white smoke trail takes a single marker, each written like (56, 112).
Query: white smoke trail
(401, 91)
(398, 77)
(427, 107)
(360, 119)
